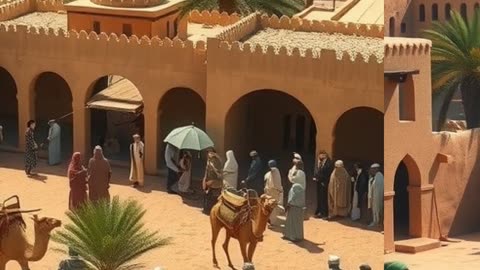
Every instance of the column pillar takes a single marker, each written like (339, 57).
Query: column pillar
(151, 138)
(388, 225)
(26, 110)
(81, 128)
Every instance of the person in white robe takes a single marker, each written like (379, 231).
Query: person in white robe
(295, 206)
(375, 194)
(355, 213)
(54, 143)
(296, 157)
(230, 171)
(186, 173)
(137, 153)
(274, 188)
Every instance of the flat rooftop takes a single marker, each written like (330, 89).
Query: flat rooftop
(354, 45)
(365, 12)
(41, 19)
(198, 31)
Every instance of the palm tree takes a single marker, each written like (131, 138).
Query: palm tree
(456, 64)
(245, 7)
(109, 235)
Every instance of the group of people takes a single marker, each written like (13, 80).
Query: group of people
(339, 193)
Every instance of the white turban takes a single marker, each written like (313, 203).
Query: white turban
(297, 156)
(338, 163)
(375, 165)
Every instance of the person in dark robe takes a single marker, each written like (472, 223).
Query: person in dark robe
(361, 177)
(99, 174)
(212, 181)
(255, 179)
(322, 173)
(77, 175)
(31, 148)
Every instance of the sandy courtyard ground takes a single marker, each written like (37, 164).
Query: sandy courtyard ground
(182, 220)
(464, 255)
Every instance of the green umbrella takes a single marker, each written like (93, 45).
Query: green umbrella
(189, 137)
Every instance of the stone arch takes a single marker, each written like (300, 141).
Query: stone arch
(358, 136)
(251, 122)
(8, 108)
(421, 12)
(406, 202)
(109, 128)
(53, 100)
(392, 27)
(179, 106)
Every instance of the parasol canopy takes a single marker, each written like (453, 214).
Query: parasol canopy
(189, 137)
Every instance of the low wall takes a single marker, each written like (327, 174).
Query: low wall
(49, 5)
(212, 18)
(13, 9)
(457, 184)
(241, 29)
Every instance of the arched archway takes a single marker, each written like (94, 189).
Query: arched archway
(358, 136)
(178, 107)
(392, 27)
(111, 127)
(273, 123)
(53, 100)
(8, 108)
(407, 175)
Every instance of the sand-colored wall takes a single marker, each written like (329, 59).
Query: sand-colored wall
(212, 18)
(13, 9)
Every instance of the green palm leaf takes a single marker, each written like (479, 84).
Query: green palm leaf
(109, 235)
(456, 62)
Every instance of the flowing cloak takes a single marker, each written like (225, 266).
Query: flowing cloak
(273, 188)
(136, 162)
(254, 179)
(230, 171)
(295, 216)
(213, 173)
(77, 176)
(377, 193)
(186, 177)
(54, 145)
(339, 190)
(355, 215)
(30, 149)
(99, 173)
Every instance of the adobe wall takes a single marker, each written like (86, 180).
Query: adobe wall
(212, 18)
(17, 8)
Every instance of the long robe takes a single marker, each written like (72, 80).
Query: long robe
(54, 145)
(254, 179)
(273, 188)
(99, 173)
(136, 162)
(355, 214)
(77, 176)
(339, 190)
(376, 197)
(230, 171)
(295, 214)
(186, 177)
(30, 150)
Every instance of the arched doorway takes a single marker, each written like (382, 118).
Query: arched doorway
(406, 224)
(358, 136)
(53, 100)
(392, 27)
(112, 126)
(8, 108)
(179, 107)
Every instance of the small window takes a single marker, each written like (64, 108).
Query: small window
(392, 27)
(175, 27)
(406, 99)
(127, 30)
(434, 12)
(168, 29)
(476, 6)
(463, 11)
(403, 27)
(448, 9)
(96, 27)
(422, 13)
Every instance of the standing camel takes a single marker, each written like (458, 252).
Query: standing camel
(14, 244)
(248, 233)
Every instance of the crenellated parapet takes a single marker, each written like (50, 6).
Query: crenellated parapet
(241, 29)
(407, 46)
(10, 9)
(212, 17)
(129, 3)
(49, 5)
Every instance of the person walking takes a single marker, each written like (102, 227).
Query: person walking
(137, 153)
(54, 143)
(322, 173)
(31, 148)
(99, 174)
(171, 159)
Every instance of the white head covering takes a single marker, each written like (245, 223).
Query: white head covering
(231, 164)
(338, 163)
(297, 156)
(333, 260)
(375, 165)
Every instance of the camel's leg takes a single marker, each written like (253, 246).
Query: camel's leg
(215, 231)
(24, 265)
(225, 248)
(251, 250)
(243, 248)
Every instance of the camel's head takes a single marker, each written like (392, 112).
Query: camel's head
(267, 204)
(45, 224)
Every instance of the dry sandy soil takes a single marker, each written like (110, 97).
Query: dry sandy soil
(182, 220)
(41, 19)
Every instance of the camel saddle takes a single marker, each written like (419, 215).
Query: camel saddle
(235, 207)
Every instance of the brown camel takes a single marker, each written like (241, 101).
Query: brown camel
(14, 244)
(249, 233)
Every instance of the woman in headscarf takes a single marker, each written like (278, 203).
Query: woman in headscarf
(339, 198)
(274, 188)
(295, 206)
(31, 148)
(99, 173)
(186, 176)
(77, 174)
(212, 181)
(230, 171)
